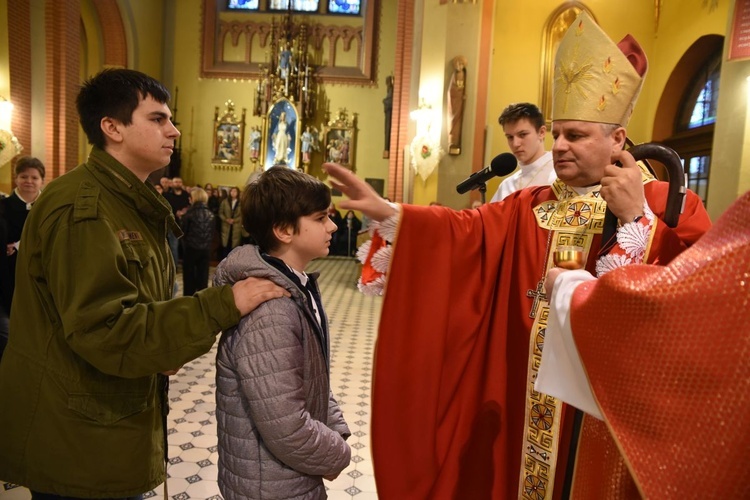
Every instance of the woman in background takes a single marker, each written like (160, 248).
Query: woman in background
(198, 226)
(29, 180)
(231, 221)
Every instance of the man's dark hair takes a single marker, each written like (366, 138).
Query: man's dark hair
(278, 198)
(520, 110)
(114, 93)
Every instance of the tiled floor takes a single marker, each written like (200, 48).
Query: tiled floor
(192, 434)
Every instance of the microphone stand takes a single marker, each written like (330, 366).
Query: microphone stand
(482, 192)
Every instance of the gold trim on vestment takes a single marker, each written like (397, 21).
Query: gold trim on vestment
(572, 220)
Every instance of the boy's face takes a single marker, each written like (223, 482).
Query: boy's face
(148, 142)
(311, 240)
(525, 142)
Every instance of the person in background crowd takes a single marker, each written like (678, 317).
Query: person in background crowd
(83, 383)
(348, 230)
(29, 179)
(159, 189)
(231, 221)
(166, 184)
(335, 216)
(179, 200)
(198, 227)
(4, 284)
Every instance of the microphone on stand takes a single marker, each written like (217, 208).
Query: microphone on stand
(501, 165)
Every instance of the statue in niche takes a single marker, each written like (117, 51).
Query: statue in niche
(456, 101)
(388, 110)
(281, 140)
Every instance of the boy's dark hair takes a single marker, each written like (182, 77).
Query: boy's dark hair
(279, 197)
(520, 110)
(24, 163)
(114, 93)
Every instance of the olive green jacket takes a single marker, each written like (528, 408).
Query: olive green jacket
(81, 401)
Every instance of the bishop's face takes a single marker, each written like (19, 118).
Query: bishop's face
(582, 149)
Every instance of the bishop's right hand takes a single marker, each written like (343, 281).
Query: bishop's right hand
(361, 195)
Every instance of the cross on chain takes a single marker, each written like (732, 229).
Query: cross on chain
(538, 295)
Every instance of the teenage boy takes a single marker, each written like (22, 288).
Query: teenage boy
(524, 128)
(280, 430)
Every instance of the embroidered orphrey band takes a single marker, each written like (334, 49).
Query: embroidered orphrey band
(573, 221)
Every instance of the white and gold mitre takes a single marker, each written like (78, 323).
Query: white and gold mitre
(596, 80)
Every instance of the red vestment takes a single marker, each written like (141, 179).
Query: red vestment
(451, 359)
(673, 378)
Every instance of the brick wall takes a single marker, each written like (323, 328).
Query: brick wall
(62, 26)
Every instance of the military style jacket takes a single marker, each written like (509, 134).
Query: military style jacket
(92, 327)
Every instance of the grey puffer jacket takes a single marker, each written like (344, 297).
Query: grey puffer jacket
(280, 429)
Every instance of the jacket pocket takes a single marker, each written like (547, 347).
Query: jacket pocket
(140, 259)
(107, 409)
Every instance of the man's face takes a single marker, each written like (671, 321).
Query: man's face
(165, 183)
(582, 149)
(177, 184)
(147, 143)
(525, 142)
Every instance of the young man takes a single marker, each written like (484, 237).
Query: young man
(524, 128)
(455, 411)
(280, 430)
(680, 331)
(93, 331)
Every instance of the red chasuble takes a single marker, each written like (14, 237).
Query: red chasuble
(450, 378)
(672, 377)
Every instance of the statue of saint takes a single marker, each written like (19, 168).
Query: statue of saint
(456, 98)
(388, 110)
(280, 141)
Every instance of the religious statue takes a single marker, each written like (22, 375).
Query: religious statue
(281, 139)
(286, 63)
(388, 109)
(307, 144)
(456, 98)
(254, 143)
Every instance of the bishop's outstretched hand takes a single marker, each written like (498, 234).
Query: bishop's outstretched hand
(361, 195)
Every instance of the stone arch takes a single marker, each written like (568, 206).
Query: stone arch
(679, 81)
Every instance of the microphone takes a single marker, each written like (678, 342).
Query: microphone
(501, 165)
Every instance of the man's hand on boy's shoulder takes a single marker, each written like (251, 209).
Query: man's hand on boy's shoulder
(252, 292)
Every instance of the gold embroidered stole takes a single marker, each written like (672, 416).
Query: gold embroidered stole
(572, 220)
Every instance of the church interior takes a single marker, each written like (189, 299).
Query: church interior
(369, 87)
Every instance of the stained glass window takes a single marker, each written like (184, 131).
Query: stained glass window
(351, 7)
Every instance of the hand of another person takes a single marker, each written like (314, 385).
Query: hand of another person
(230, 221)
(549, 281)
(10, 249)
(622, 188)
(252, 292)
(361, 195)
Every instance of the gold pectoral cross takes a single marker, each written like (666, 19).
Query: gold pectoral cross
(538, 295)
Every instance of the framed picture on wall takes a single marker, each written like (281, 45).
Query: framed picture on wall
(282, 135)
(340, 140)
(228, 137)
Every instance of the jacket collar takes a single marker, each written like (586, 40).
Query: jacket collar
(124, 183)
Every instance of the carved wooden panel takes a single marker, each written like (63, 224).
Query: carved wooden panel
(234, 45)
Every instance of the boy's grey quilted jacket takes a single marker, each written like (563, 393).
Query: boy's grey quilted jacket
(279, 428)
